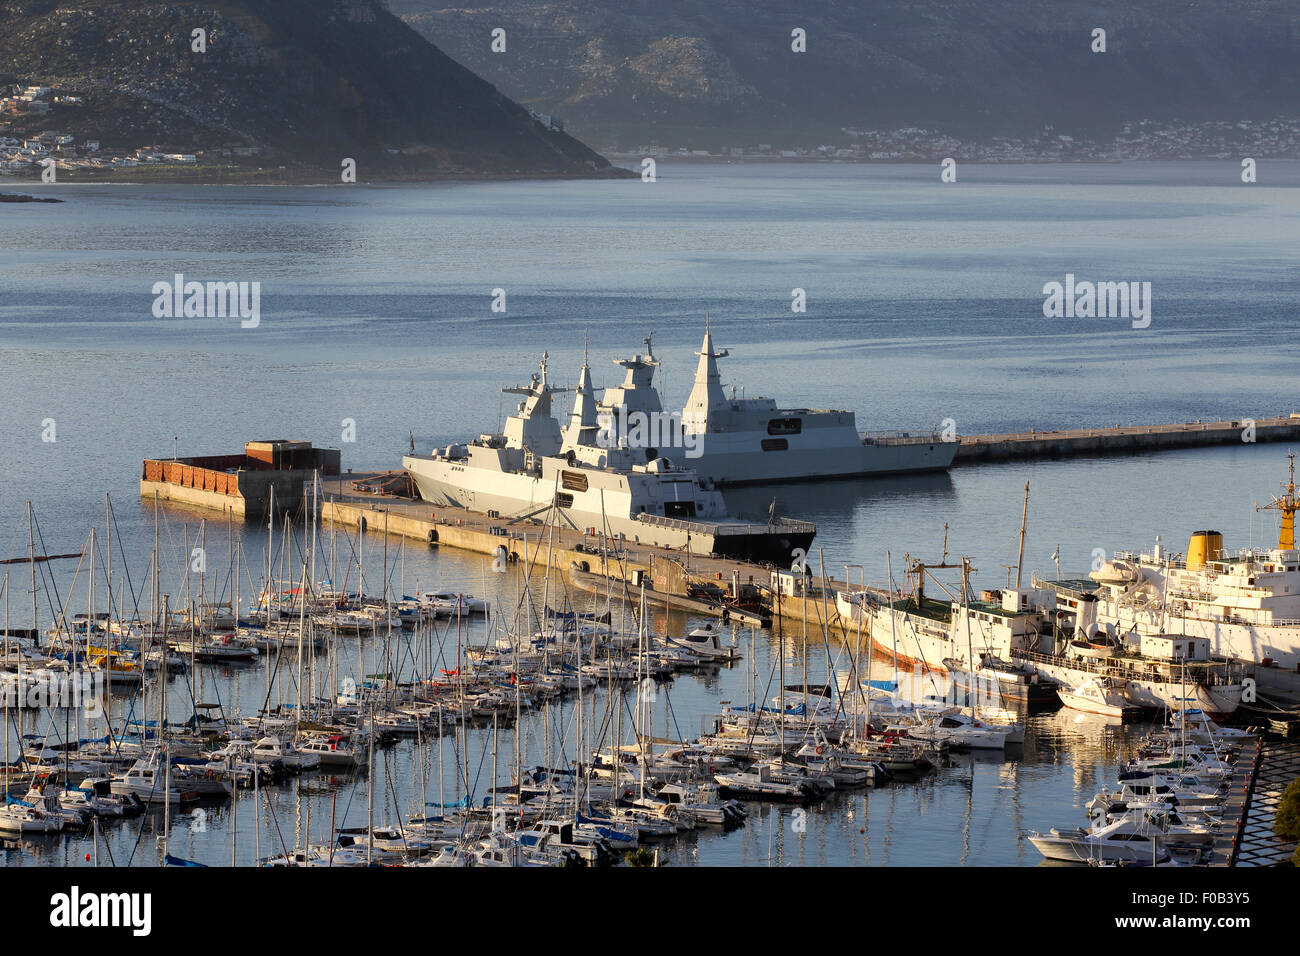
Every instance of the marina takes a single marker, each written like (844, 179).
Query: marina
(593, 634)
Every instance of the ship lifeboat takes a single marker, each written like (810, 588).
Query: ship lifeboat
(1100, 646)
(1115, 573)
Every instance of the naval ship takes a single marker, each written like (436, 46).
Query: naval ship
(737, 441)
(592, 481)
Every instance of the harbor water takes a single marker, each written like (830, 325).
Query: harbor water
(924, 303)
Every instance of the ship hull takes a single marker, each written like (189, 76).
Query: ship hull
(916, 646)
(731, 460)
(1244, 642)
(1219, 701)
(513, 496)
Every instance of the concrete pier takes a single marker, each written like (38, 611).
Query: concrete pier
(977, 449)
(696, 583)
(244, 485)
(1236, 805)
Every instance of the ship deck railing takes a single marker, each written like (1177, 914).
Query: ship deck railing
(791, 525)
(905, 438)
(1131, 665)
(1077, 586)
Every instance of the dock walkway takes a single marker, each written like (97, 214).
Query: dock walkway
(666, 572)
(1236, 807)
(977, 449)
(1277, 764)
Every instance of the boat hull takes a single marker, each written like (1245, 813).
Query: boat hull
(1219, 701)
(444, 483)
(736, 459)
(1072, 851)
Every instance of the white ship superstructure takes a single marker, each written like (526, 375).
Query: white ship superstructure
(523, 473)
(919, 630)
(1245, 604)
(1036, 629)
(730, 440)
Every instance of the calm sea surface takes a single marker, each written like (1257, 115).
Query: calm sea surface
(924, 302)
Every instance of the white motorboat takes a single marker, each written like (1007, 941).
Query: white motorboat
(19, 817)
(145, 779)
(451, 604)
(97, 797)
(46, 799)
(702, 645)
(1133, 838)
(387, 840)
(704, 803)
(1188, 759)
(956, 729)
(272, 749)
(217, 648)
(335, 750)
(367, 620)
(759, 784)
(320, 856)
(1098, 696)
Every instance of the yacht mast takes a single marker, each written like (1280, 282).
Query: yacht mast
(1024, 517)
(31, 552)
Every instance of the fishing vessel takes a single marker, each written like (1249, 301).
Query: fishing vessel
(633, 494)
(734, 440)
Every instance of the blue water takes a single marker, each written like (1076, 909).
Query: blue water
(924, 303)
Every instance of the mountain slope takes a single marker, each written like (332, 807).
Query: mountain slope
(972, 68)
(304, 82)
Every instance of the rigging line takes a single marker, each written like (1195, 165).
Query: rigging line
(672, 713)
(275, 819)
(62, 614)
(144, 816)
(758, 713)
(478, 773)
(135, 598)
(53, 585)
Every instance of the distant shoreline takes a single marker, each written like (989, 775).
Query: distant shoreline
(23, 197)
(237, 176)
(922, 161)
(245, 176)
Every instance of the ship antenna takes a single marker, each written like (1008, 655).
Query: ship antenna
(1288, 505)
(1024, 518)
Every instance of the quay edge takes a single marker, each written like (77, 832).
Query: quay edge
(978, 449)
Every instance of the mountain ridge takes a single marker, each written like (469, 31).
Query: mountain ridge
(305, 84)
(969, 68)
